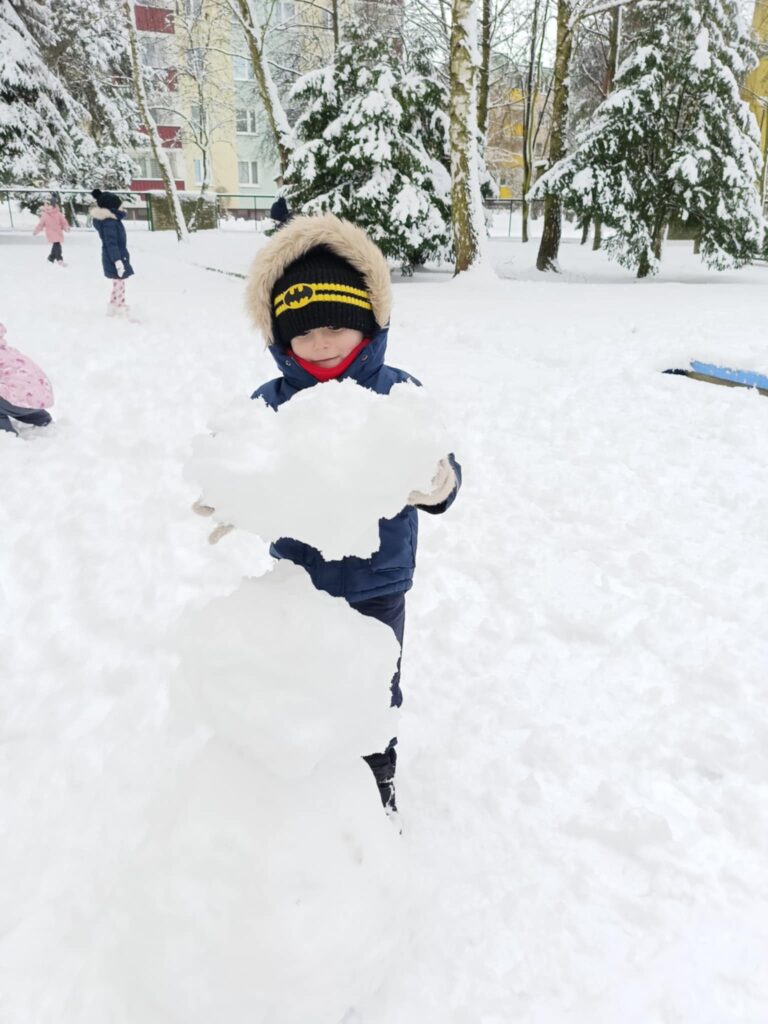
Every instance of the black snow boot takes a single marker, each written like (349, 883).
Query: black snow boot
(383, 767)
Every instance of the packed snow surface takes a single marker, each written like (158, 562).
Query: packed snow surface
(583, 772)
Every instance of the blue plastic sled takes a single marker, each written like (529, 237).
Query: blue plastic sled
(724, 375)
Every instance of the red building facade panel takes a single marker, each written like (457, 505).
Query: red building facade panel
(169, 133)
(150, 184)
(154, 19)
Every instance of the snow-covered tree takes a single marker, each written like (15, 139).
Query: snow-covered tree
(674, 140)
(371, 146)
(41, 123)
(86, 48)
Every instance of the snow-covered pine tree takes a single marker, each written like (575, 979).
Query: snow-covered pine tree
(674, 140)
(372, 146)
(86, 48)
(41, 133)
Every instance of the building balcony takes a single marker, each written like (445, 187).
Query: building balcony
(169, 133)
(154, 19)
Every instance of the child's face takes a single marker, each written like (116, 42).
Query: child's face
(326, 346)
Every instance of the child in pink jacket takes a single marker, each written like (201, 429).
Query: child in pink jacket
(25, 391)
(54, 224)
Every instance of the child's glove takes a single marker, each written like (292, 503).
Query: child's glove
(443, 482)
(220, 531)
(119, 267)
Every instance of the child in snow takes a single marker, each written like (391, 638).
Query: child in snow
(25, 391)
(54, 224)
(341, 332)
(107, 218)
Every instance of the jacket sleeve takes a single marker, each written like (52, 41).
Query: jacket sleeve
(270, 393)
(109, 240)
(436, 510)
(63, 221)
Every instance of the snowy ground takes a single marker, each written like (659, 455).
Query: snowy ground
(584, 742)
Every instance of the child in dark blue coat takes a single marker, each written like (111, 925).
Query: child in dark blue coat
(107, 218)
(319, 291)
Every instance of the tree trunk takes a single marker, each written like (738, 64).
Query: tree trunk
(279, 127)
(150, 127)
(658, 238)
(485, 70)
(335, 22)
(614, 42)
(644, 267)
(467, 210)
(585, 230)
(597, 238)
(529, 113)
(550, 238)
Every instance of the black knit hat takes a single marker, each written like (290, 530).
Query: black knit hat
(106, 200)
(320, 289)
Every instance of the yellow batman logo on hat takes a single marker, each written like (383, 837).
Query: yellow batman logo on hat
(298, 295)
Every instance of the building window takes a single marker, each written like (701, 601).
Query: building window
(196, 60)
(198, 165)
(149, 168)
(248, 172)
(242, 69)
(285, 12)
(197, 117)
(245, 122)
(193, 8)
(153, 52)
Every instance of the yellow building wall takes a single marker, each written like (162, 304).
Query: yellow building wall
(757, 82)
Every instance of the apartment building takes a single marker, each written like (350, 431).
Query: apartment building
(757, 85)
(204, 96)
(205, 103)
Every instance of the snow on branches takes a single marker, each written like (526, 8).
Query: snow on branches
(372, 146)
(673, 142)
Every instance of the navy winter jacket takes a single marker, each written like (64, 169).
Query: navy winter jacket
(111, 231)
(390, 569)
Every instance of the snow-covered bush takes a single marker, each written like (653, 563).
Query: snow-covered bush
(371, 146)
(674, 140)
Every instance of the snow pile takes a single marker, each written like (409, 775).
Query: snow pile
(335, 460)
(200, 853)
(272, 833)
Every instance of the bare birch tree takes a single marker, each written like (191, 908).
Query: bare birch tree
(467, 208)
(256, 29)
(150, 127)
(534, 104)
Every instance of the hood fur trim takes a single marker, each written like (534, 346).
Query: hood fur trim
(299, 236)
(99, 213)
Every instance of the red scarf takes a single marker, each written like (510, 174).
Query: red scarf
(323, 373)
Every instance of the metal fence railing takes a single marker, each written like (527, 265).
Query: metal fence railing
(19, 206)
(234, 210)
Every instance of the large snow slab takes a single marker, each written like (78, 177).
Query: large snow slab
(325, 469)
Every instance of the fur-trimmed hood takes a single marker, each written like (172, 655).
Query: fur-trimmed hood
(99, 213)
(295, 239)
